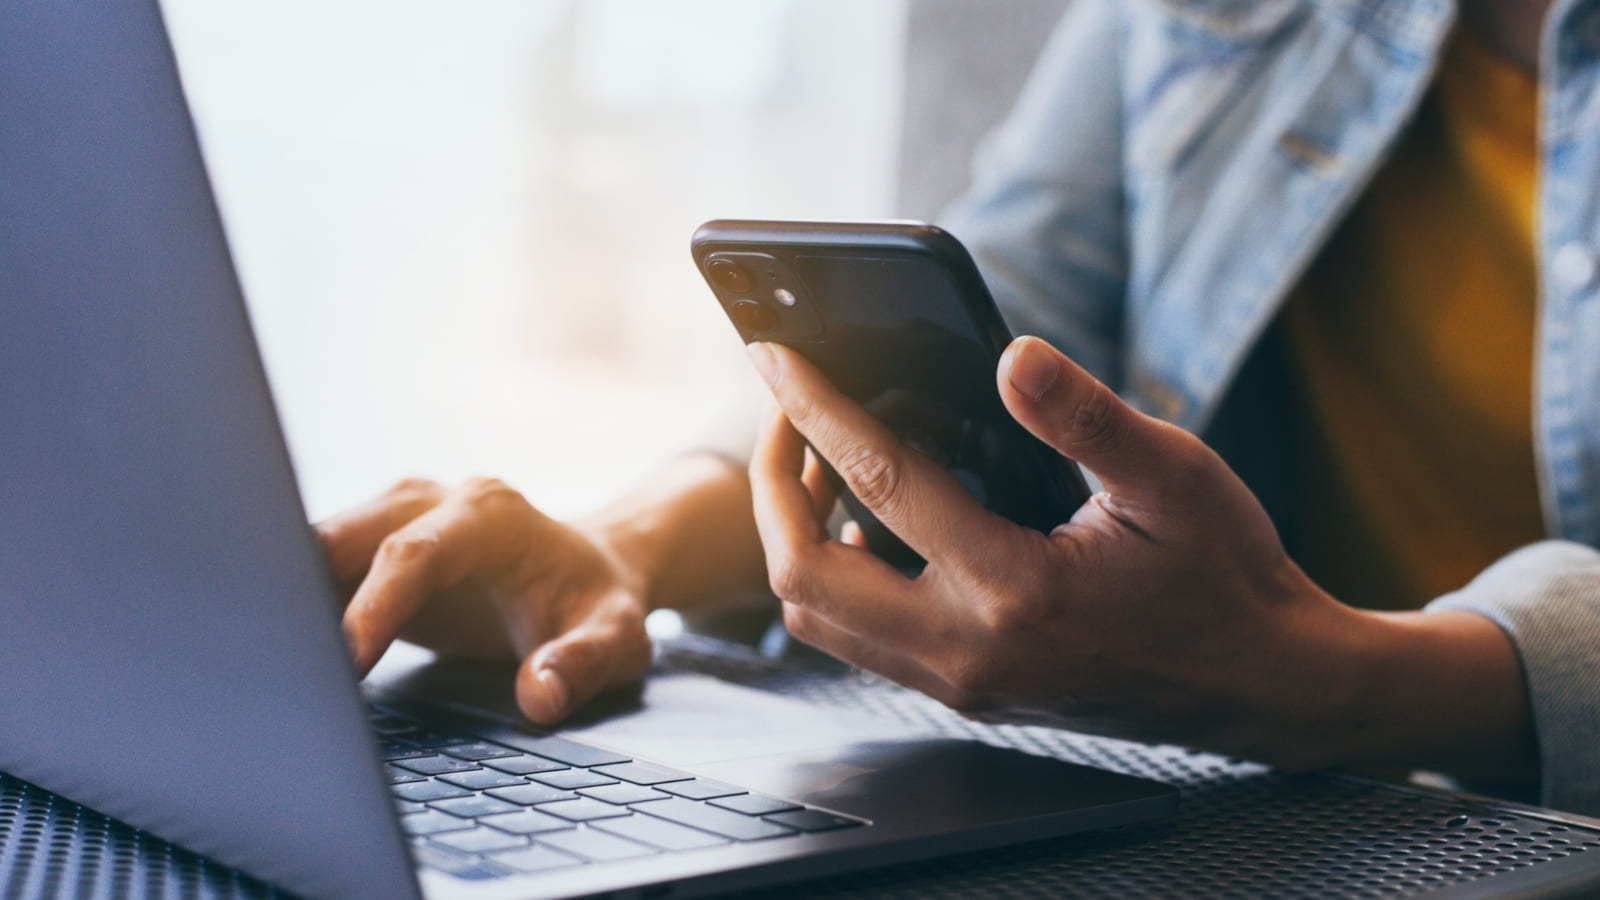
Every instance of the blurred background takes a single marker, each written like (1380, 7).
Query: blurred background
(463, 228)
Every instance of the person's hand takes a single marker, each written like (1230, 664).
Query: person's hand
(479, 572)
(1165, 609)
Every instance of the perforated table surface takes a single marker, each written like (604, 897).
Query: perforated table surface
(1243, 830)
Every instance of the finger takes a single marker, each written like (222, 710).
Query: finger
(350, 538)
(916, 499)
(481, 525)
(902, 669)
(779, 461)
(823, 494)
(603, 651)
(846, 584)
(1084, 420)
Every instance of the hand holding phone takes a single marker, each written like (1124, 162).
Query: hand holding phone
(898, 318)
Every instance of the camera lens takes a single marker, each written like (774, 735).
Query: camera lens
(729, 275)
(751, 316)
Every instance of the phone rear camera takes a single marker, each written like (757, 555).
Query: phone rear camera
(729, 275)
(751, 316)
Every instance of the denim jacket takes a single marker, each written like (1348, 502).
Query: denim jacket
(1169, 173)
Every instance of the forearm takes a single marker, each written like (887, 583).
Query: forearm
(687, 533)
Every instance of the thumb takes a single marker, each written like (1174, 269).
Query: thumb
(1073, 412)
(568, 671)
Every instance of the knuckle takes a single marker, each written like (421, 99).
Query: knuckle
(801, 412)
(1096, 423)
(873, 476)
(415, 489)
(788, 579)
(490, 492)
(408, 549)
(1013, 613)
(1023, 596)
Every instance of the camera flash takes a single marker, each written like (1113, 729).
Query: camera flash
(784, 296)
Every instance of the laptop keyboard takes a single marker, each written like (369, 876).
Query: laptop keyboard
(477, 809)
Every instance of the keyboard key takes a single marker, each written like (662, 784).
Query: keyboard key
(584, 809)
(622, 794)
(393, 750)
(478, 750)
(409, 806)
(534, 859)
(479, 840)
(525, 821)
(572, 779)
(388, 726)
(717, 821)
(474, 806)
(478, 779)
(701, 789)
(426, 791)
(398, 775)
(812, 820)
(524, 764)
(642, 773)
(754, 804)
(529, 794)
(658, 833)
(432, 822)
(432, 739)
(460, 866)
(573, 754)
(435, 765)
(595, 845)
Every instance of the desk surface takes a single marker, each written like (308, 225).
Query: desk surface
(1243, 830)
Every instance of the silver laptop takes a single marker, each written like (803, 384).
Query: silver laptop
(172, 655)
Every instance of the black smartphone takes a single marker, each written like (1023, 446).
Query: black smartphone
(898, 318)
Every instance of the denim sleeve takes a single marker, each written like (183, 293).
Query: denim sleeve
(1044, 216)
(1546, 597)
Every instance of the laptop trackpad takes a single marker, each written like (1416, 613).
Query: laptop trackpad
(684, 719)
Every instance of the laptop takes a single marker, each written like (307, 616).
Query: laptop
(172, 654)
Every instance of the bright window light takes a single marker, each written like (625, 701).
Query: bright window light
(463, 227)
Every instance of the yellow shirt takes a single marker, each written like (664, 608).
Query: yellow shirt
(1413, 334)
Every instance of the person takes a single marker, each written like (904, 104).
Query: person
(1351, 244)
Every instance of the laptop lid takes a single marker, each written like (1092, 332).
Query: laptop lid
(172, 654)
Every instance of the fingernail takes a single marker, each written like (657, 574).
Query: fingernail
(555, 690)
(762, 357)
(1034, 369)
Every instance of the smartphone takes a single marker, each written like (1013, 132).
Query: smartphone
(896, 315)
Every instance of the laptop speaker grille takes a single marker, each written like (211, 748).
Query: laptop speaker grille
(50, 847)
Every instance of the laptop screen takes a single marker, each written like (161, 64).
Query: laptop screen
(172, 654)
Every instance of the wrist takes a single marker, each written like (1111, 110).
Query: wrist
(1450, 695)
(677, 538)
(630, 543)
(1305, 708)
(1442, 691)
